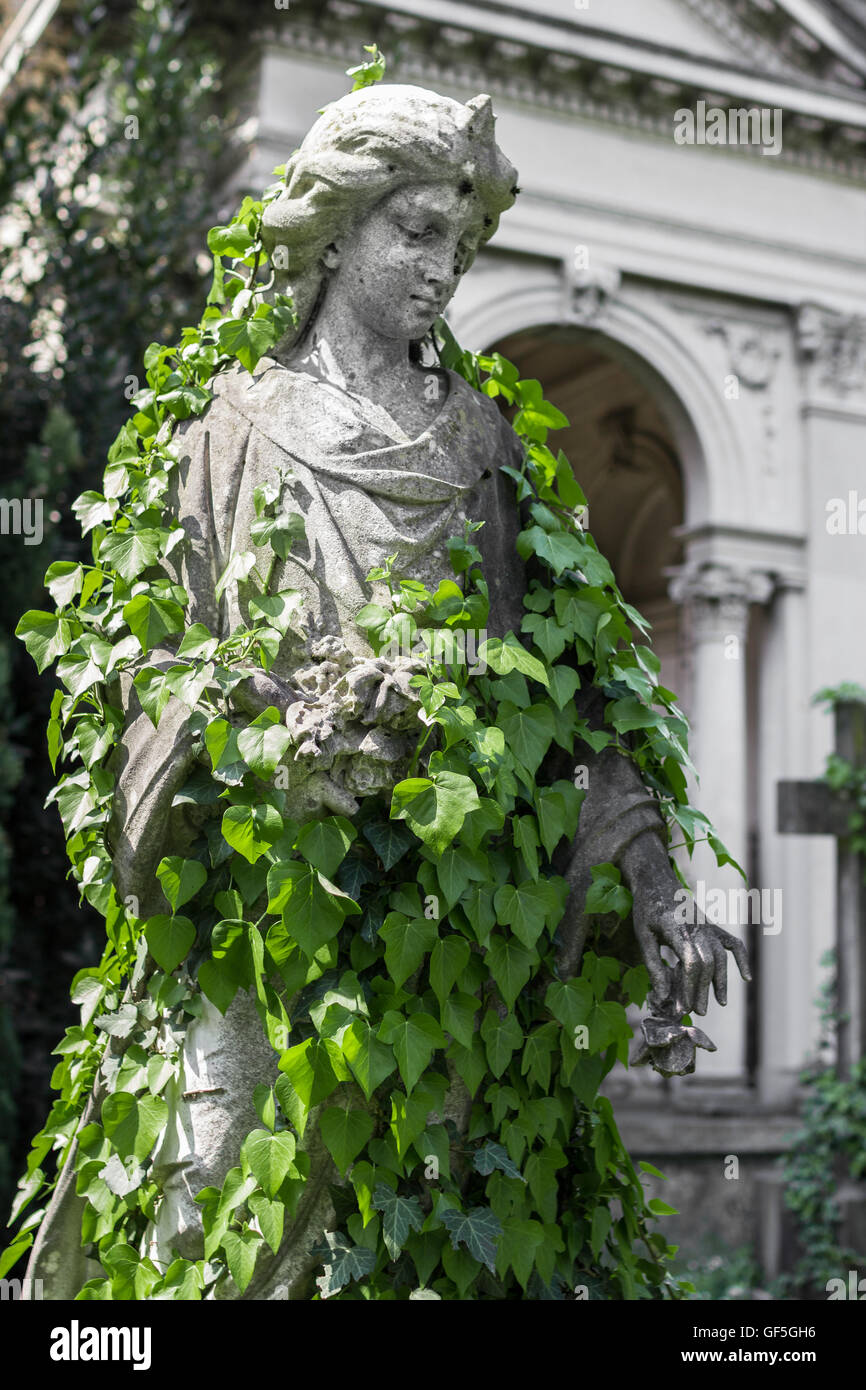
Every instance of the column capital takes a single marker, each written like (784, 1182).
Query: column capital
(832, 348)
(718, 596)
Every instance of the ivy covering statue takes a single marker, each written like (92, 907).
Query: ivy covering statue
(367, 766)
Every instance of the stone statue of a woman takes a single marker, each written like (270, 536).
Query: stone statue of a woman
(386, 204)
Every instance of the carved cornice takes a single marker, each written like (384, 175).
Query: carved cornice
(777, 45)
(421, 48)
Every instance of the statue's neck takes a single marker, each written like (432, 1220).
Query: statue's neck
(376, 371)
(351, 355)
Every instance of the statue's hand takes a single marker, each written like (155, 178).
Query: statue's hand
(700, 950)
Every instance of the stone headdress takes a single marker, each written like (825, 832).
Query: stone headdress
(364, 147)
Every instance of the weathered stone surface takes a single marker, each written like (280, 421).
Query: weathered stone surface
(387, 202)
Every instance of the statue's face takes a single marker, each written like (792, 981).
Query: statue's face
(399, 268)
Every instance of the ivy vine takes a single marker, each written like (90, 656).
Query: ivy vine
(388, 954)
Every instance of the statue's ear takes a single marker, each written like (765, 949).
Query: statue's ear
(331, 256)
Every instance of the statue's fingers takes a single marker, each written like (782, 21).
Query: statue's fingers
(720, 974)
(684, 947)
(703, 974)
(658, 971)
(738, 950)
(731, 943)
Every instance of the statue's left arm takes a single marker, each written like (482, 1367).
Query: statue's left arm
(620, 823)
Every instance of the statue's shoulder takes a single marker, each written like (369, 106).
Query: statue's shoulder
(486, 411)
(252, 393)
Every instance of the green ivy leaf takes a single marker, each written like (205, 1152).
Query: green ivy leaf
(607, 893)
(371, 1061)
(558, 549)
(130, 552)
(400, 1216)
(344, 1264)
(502, 1037)
(133, 1125)
(345, 1133)
(314, 1068)
(325, 843)
(448, 960)
(389, 839)
(537, 1055)
(564, 684)
(151, 620)
(311, 914)
(169, 940)
(414, 1040)
(528, 733)
(458, 1017)
(270, 1217)
(492, 1156)
(263, 742)
(197, 641)
(181, 879)
(252, 830)
(518, 1247)
(435, 808)
(45, 635)
(407, 941)
(510, 965)
(505, 656)
(242, 1248)
(631, 713)
(528, 907)
(478, 1229)
(222, 976)
(661, 1208)
(270, 1158)
(247, 339)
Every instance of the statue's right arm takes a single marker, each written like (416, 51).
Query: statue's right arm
(153, 763)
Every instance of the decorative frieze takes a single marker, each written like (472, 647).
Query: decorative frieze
(538, 74)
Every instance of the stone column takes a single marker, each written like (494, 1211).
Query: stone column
(716, 599)
(787, 976)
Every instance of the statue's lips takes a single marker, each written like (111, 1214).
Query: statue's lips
(423, 302)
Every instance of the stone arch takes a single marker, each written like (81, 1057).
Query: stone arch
(646, 337)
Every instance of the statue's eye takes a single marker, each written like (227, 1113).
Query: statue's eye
(461, 258)
(414, 233)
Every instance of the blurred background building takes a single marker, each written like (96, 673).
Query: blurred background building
(685, 272)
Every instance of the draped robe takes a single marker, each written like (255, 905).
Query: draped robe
(363, 496)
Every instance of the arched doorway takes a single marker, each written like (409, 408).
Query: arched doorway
(625, 456)
(636, 455)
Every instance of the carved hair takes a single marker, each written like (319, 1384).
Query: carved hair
(363, 148)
